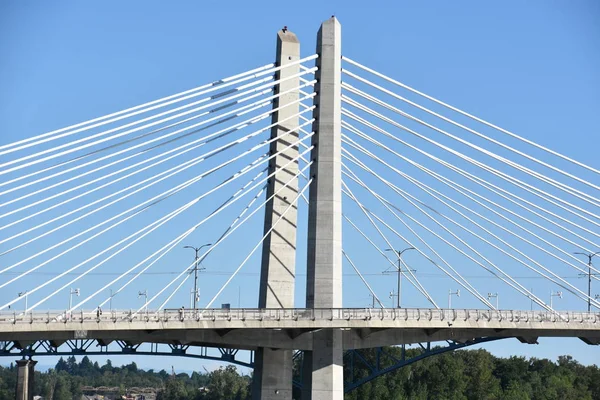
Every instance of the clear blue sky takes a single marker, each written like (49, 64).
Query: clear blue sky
(531, 67)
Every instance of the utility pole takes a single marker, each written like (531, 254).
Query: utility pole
(195, 296)
(589, 275)
(400, 272)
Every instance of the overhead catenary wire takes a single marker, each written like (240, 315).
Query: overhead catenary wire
(419, 286)
(521, 288)
(225, 82)
(99, 141)
(383, 254)
(557, 154)
(561, 186)
(260, 242)
(362, 278)
(164, 250)
(462, 281)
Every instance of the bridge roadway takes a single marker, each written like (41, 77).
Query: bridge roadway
(293, 328)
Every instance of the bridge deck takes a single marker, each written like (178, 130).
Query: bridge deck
(291, 328)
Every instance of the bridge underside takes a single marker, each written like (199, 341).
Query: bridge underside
(297, 338)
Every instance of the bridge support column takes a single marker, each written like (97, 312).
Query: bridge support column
(25, 375)
(273, 368)
(324, 259)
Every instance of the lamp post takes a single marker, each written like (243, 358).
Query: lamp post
(72, 292)
(392, 295)
(400, 272)
(492, 295)
(195, 269)
(554, 294)
(589, 275)
(110, 300)
(24, 294)
(145, 294)
(450, 294)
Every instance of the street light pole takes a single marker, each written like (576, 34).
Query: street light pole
(21, 294)
(195, 269)
(400, 271)
(145, 294)
(450, 294)
(589, 274)
(72, 292)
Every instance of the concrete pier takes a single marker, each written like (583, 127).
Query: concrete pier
(273, 368)
(324, 258)
(25, 379)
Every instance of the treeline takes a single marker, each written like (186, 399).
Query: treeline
(460, 375)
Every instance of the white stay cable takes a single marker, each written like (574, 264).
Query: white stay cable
(233, 229)
(219, 119)
(84, 146)
(443, 179)
(153, 201)
(350, 194)
(153, 180)
(566, 188)
(135, 166)
(471, 116)
(568, 286)
(156, 223)
(145, 143)
(544, 195)
(91, 121)
(491, 187)
(405, 195)
(292, 204)
(231, 226)
(165, 250)
(479, 164)
(393, 264)
(363, 279)
(462, 281)
(204, 140)
(261, 71)
(514, 165)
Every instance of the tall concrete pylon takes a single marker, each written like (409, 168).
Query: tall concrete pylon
(323, 371)
(273, 367)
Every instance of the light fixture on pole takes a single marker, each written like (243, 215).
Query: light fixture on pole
(24, 294)
(492, 295)
(400, 271)
(145, 294)
(72, 292)
(196, 295)
(554, 294)
(589, 275)
(450, 294)
(392, 295)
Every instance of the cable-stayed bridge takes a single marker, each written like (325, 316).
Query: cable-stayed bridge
(270, 167)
